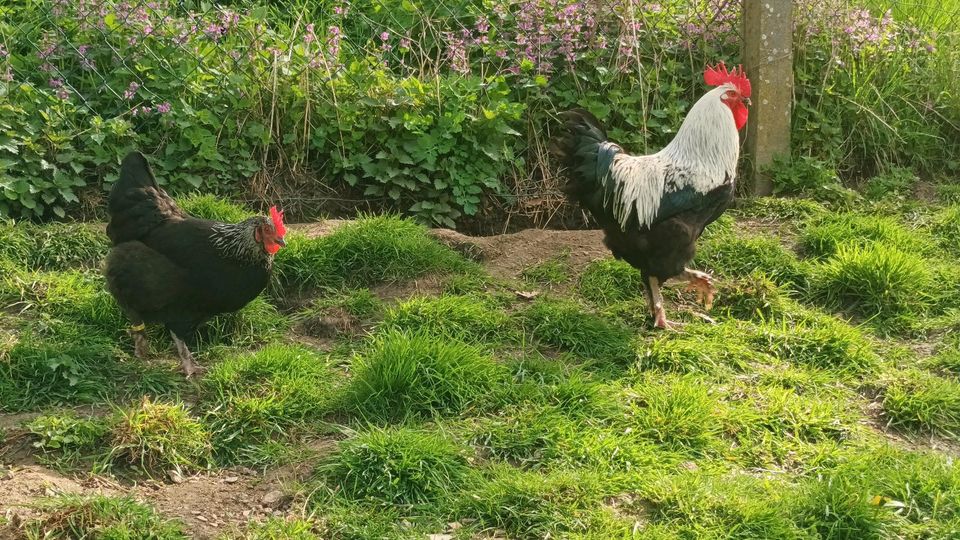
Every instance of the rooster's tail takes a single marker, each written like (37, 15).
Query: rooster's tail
(137, 204)
(586, 154)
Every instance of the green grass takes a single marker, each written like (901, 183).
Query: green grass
(946, 227)
(215, 208)
(739, 256)
(68, 436)
(254, 400)
(875, 281)
(822, 343)
(159, 437)
(920, 401)
(700, 349)
(753, 297)
(120, 518)
(565, 325)
(398, 466)
(281, 529)
(469, 319)
(401, 374)
(827, 235)
(677, 411)
(55, 246)
(366, 252)
(56, 363)
(528, 505)
(789, 209)
(553, 271)
(607, 281)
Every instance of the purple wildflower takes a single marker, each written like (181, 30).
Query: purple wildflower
(163, 108)
(131, 91)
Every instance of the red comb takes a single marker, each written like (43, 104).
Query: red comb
(277, 221)
(718, 75)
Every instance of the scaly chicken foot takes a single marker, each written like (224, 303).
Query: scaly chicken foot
(190, 367)
(656, 305)
(702, 283)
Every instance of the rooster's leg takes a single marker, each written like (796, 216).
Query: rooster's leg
(190, 367)
(702, 283)
(659, 314)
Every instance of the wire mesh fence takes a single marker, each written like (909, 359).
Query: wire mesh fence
(440, 108)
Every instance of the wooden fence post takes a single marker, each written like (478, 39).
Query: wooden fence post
(768, 60)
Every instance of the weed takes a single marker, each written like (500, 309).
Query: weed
(398, 466)
(256, 323)
(57, 363)
(553, 271)
(946, 227)
(825, 236)
(417, 374)
(876, 281)
(895, 182)
(160, 437)
(809, 176)
(564, 324)
(255, 398)
(74, 516)
(608, 281)
(949, 193)
(918, 400)
(368, 251)
(528, 505)
(463, 318)
(282, 529)
(68, 435)
(213, 208)
(677, 411)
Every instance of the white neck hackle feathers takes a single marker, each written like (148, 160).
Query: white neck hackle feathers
(703, 153)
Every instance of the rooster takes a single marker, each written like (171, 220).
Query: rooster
(653, 208)
(167, 267)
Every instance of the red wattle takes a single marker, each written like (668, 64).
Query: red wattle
(739, 114)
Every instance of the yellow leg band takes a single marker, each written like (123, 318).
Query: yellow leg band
(139, 328)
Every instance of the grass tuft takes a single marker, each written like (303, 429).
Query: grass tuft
(565, 325)
(213, 207)
(700, 349)
(54, 246)
(368, 251)
(160, 437)
(823, 344)
(675, 410)
(528, 505)
(826, 236)
(753, 297)
(255, 399)
(875, 281)
(398, 466)
(74, 516)
(418, 374)
(946, 227)
(920, 401)
(553, 271)
(736, 256)
(608, 281)
(463, 318)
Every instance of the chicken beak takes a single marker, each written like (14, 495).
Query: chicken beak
(280, 242)
(747, 101)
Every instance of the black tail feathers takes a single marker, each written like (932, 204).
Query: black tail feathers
(581, 151)
(137, 203)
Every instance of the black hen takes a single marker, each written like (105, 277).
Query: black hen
(168, 267)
